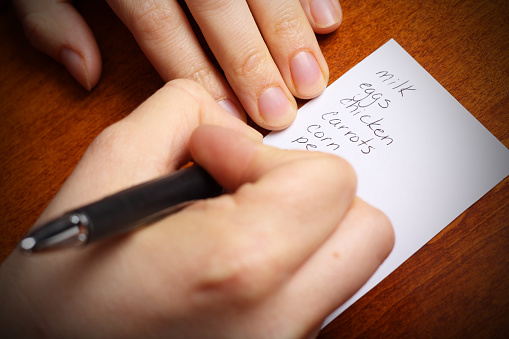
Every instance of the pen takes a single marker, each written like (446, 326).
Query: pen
(124, 211)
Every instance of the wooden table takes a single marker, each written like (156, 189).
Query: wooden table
(455, 286)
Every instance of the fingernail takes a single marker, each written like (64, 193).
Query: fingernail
(307, 75)
(324, 13)
(231, 108)
(75, 64)
(275, 108)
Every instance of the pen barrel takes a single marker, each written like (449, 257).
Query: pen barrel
(147, 202)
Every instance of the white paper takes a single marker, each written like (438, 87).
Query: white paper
(420, 156)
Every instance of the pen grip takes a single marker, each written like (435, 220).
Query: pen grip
(147, 202)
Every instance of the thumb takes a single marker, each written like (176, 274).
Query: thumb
(58, 30)
(234, 159)
(225, 154)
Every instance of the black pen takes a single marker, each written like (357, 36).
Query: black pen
(123, 211)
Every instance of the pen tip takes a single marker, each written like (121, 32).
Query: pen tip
(27, 244)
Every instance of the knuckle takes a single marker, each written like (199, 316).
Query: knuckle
(155, 20)
(110, 142)
(252, 62)
(242, 271)
(287, 24)
(341, 174)
(240, 280)
(382, 227)
(348, 175)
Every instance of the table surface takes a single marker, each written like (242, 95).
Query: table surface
(456, 285)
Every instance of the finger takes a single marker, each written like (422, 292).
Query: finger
(164, 34)
(152, 141)
(234, 38)
(242, 160)
(325, 16)
(349, 257)
(359, 243)
(278, 195)
(293, 45)
(58, 30)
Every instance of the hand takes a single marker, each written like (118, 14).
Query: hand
(272, 259)
(267, 49)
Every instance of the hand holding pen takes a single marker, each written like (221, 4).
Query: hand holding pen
(284, 247)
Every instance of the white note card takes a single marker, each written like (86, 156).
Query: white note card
(420, 156)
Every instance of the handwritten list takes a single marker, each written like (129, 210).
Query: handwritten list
(420, 156)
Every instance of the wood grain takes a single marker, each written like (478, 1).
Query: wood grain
(455, 286)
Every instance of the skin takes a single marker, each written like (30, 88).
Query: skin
(270, 259)
(267, 49)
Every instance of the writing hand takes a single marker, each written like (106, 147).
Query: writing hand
(267, 49)
(270, 260)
